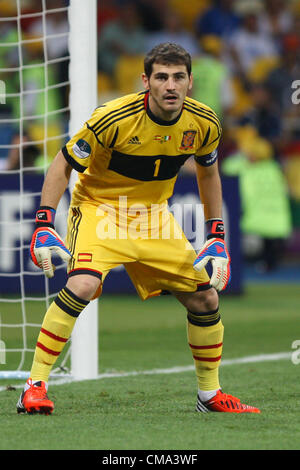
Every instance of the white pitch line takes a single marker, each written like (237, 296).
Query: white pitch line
(172, 370)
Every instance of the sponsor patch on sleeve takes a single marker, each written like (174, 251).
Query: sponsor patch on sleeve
(207, 160)
(82, 149)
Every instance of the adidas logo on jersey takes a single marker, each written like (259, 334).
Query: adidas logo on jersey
(134, 140)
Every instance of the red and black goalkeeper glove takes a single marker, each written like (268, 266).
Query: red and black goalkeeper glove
(215, 250)
(45, 239)
(215, 229)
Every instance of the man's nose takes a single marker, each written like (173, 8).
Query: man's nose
(171, 83)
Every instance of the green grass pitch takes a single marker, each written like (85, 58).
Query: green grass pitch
(156, 411)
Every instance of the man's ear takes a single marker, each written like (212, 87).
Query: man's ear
(191, 81)
(145, 81)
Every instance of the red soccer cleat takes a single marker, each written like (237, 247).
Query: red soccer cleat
(224, 403)
(35, 399)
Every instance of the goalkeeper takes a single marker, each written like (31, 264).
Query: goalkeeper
(127, 156)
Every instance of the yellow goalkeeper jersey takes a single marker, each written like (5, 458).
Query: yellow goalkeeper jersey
(124, 150)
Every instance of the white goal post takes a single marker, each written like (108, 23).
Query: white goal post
(83, 100)
(15, 232)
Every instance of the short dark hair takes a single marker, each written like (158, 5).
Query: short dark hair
(167, 53)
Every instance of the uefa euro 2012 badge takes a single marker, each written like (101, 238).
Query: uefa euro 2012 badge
(82, 149)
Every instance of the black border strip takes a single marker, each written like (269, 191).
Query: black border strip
(74, 164)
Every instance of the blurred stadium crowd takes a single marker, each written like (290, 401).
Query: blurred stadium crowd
(246, 66)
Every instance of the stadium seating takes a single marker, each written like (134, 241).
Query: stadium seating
(128, 74)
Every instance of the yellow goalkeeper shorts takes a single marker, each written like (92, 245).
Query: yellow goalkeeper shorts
(149, 243)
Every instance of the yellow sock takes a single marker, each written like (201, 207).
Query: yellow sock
(205, 336)
(56, 329)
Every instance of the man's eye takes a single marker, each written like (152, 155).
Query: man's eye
(165, 77)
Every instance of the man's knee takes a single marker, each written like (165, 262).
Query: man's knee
(84, 286)
(203, 310)
(200, 301)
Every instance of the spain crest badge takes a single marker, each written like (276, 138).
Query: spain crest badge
(188, 138)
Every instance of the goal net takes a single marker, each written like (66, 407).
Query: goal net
(44, 45)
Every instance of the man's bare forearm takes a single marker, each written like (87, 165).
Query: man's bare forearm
(56, 181)
(210, 190)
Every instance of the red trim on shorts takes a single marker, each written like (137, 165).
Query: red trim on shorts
(204, 286)
(92, 272)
